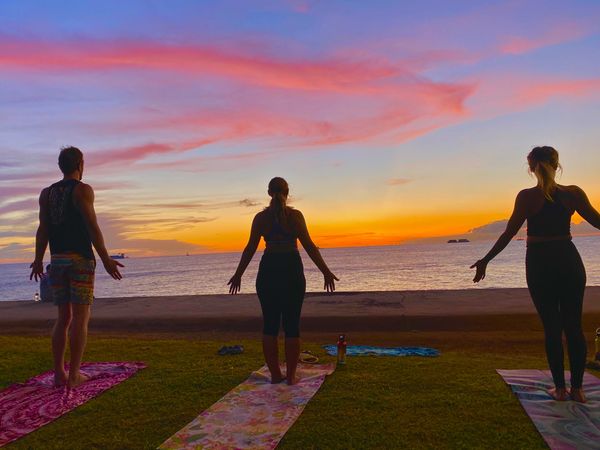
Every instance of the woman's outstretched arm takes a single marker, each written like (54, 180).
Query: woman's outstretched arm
(236, 280)
(314, 253)
(513, 226)
(585, 208)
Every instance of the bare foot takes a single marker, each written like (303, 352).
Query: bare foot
(60, 379)
(276, 379)
(292, 380)
(558, 394)
(577, 395)
(77, 381)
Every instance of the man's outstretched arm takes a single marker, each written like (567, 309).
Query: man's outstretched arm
(41, 238)
(84, 200)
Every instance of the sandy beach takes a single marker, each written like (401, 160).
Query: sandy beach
(444, 310)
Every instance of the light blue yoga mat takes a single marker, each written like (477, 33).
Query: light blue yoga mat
(366, 350)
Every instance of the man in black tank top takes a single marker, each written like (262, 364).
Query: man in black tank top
(68, 223)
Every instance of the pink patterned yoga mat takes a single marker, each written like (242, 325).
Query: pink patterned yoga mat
(28, 406)
(563, 425)
(254, 415)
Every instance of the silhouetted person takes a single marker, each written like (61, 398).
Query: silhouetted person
(280, 282)
(68, 223)
(555, 273)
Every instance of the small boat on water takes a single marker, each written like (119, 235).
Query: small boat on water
(458, 241)
(118, 256)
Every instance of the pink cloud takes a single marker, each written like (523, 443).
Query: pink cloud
(542, 90)
(501, 94)
(553, 35)
(436, 103)
(297, 104)
(335, 100)
(63, 57)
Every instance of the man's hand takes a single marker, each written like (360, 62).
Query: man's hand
(37, 270)
(112, 268)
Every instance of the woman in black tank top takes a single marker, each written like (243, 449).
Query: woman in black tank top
(555, 273)
(280, 282)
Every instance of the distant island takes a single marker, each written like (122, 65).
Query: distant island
(457, 241)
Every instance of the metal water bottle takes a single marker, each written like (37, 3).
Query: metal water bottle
(341, 349)
(36, 297)
(597, 344)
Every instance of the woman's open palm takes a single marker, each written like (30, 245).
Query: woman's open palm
(480, 267)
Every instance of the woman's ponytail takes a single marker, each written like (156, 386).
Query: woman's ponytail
(543, 163)
(278, 189)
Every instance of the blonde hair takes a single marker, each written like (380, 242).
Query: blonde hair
(543, 163)
(279, 190)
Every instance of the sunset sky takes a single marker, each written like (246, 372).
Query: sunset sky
(391, 121)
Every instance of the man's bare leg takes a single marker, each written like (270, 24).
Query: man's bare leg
(292, 353)
(271, 352)
(79, 330)
(59, 343)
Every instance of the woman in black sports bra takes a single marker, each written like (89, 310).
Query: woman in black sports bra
(280, 282)
(555, 273)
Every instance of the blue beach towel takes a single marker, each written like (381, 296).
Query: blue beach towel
(366, 350)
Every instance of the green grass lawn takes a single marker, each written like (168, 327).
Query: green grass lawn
(453, 401)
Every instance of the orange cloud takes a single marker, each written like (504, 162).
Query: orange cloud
(398, 181)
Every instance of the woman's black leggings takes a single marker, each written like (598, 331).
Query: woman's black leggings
(556, 280)
(280, 285)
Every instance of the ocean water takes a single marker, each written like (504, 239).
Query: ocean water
(390, 268)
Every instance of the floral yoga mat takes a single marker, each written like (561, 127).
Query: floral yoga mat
(254, 415)
(28, 406)
(366, 350)
(563, 425)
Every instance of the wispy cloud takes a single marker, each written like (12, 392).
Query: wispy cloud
(15, 251)
(552, 35)
(89, 55)
(199, 205)
(398, 181)
(507, 93)
(21, 205)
